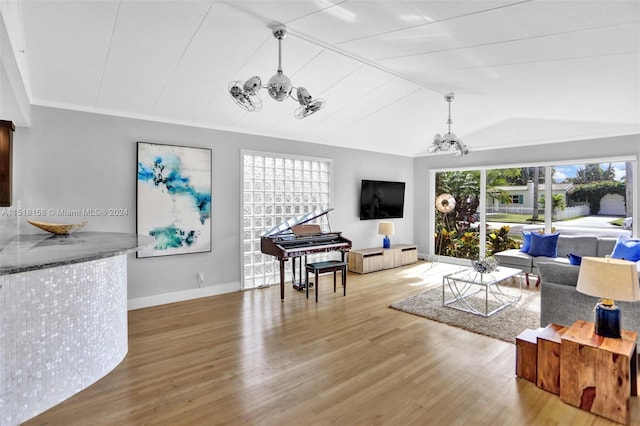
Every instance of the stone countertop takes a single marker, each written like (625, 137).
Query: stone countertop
(29, 252)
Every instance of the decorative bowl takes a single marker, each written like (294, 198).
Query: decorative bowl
(486, 265)
(58, 228)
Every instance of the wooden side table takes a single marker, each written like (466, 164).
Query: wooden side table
(598, 374)
(549, 358)
(527, 354)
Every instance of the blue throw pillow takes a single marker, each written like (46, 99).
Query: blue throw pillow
(544, 244)
(526, 241)
(574, 259)
(627, 249)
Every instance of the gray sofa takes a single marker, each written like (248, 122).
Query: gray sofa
(574, 244)
(561, 303)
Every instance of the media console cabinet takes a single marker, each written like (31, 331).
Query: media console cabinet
(368, 260)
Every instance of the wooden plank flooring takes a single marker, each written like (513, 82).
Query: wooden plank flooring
(248, 358)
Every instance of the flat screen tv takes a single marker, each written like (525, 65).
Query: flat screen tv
(381, 199)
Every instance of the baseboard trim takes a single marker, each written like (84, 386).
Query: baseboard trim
(181, 296)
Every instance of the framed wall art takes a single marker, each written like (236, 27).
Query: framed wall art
(173, 199)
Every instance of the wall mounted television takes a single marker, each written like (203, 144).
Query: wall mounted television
(381, 199)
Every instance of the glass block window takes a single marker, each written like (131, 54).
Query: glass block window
(276, 188)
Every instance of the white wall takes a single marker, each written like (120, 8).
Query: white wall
(74, 160)
(614, 147)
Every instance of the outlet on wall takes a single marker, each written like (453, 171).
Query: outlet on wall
(200, 278)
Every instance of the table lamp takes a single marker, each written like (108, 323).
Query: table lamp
(386, 229)
(610, 279)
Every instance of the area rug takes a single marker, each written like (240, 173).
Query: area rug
(504, 325)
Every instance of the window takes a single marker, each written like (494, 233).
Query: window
(589, 197)
(457, 222)
(276, 188)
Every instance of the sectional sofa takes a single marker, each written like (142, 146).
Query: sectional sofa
(579, 245)
(560, 302)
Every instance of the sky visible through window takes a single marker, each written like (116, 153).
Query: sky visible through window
(565, 172)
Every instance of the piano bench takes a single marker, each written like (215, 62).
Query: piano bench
(324, 267)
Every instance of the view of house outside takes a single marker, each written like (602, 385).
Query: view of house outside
(587, 199)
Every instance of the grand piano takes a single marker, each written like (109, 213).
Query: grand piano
(296, 238)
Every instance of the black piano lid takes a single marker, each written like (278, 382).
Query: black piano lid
(303, 218)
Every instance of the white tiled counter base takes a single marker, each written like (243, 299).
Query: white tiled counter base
(61, 329)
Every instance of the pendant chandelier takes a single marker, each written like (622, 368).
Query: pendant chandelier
(246, 93)
(449, 140)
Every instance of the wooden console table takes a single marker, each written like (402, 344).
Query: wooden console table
(376, 259)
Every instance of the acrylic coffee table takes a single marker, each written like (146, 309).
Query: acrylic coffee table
(482, 294)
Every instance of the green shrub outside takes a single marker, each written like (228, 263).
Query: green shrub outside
(466, 244)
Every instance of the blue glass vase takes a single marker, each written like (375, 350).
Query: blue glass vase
(607, 323)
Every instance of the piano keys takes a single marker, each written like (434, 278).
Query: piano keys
(296, 238)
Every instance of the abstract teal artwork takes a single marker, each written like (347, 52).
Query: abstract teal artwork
(174, 198)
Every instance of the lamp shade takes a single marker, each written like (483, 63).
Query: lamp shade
(386, 228)
(609, 278)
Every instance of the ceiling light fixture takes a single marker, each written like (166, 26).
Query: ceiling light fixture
(246, 93)
(449, 140)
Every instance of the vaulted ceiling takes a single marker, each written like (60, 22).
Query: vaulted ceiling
(523, 72)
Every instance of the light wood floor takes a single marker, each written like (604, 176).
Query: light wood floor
(248, 358)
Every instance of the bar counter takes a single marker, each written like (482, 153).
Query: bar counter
(29, 252)
(63, 316)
